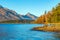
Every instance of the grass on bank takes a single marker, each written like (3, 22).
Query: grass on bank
(51, 28)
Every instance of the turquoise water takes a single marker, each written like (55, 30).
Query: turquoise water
(23, 32)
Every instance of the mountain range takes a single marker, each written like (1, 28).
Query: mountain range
(7, 15)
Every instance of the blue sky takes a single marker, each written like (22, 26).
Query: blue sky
(36, 7)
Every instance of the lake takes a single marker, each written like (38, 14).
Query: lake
(23, 32)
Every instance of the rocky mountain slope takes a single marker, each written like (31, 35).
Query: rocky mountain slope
(7, 15)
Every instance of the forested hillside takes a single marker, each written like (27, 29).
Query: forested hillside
(52, 16)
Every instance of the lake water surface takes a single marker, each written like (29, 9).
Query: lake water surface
(23, 32)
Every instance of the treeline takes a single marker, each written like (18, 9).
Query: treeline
(52, 16)
(17, 21)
